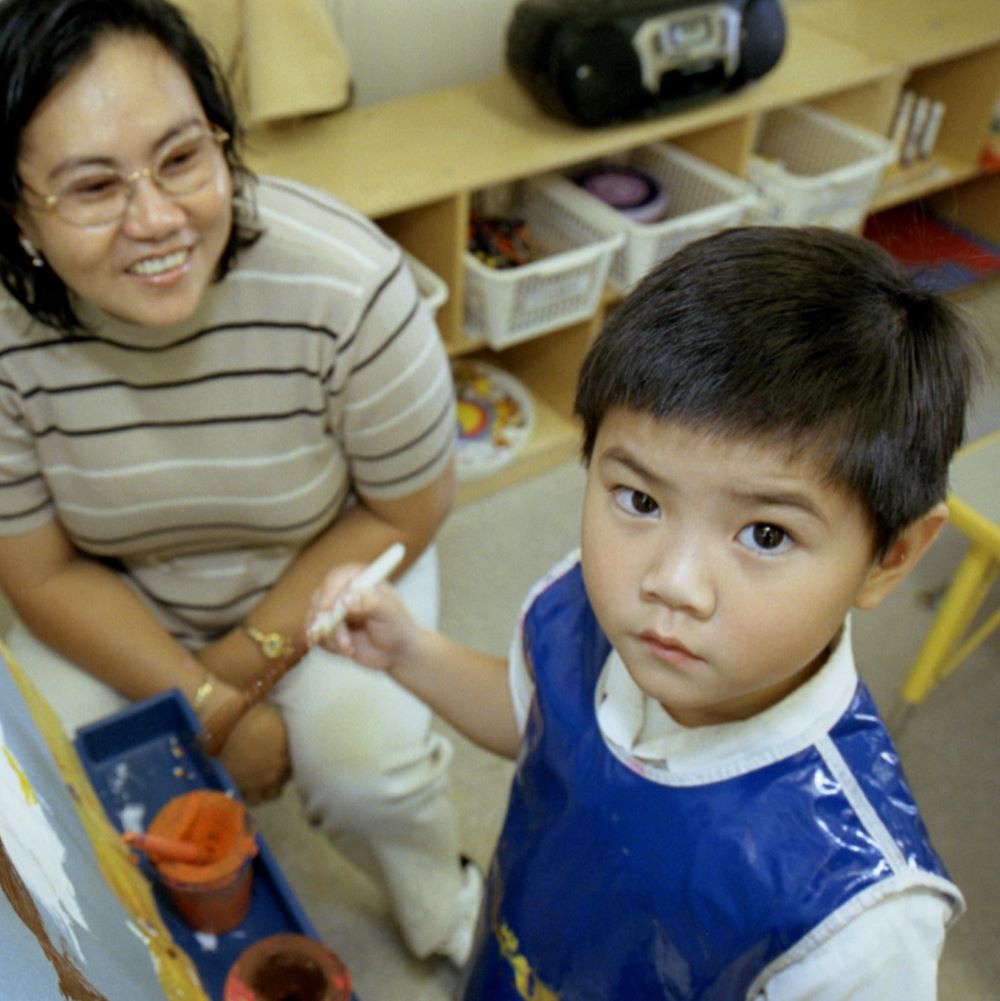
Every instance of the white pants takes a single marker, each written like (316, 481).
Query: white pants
(367, 765)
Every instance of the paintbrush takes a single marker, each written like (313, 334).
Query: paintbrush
(163, 849)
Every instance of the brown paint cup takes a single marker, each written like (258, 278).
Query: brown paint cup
(287, 967)
(213, 896)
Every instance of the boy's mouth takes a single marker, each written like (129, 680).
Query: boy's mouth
(669, 649)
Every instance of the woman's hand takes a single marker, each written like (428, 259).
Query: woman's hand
(256, 754)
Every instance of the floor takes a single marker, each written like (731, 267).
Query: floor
(494, 549)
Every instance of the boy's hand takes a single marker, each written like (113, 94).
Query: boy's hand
(377, 631)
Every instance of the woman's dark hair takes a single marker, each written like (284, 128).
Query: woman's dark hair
(809, 339)
(41, 43)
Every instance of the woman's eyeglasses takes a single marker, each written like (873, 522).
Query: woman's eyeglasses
(97, 196)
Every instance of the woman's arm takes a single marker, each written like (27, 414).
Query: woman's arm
(85, 612)
(358, 535)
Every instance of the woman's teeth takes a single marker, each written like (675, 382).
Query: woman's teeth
(157, 265)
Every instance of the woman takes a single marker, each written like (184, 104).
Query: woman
(210, 391)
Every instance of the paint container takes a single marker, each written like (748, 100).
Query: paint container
(287, 967)
(213, 896)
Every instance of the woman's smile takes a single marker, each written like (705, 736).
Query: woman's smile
(163, 269)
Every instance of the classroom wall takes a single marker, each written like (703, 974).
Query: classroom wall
(405, 46)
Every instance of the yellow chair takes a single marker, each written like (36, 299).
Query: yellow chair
(974, 508)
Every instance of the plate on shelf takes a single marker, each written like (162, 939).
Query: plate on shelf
(494, 415)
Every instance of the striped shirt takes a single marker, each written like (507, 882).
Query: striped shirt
(200, 457)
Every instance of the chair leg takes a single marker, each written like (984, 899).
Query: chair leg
(962, 600)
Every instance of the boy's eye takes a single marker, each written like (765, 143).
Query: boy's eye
(635, 501)
(765, 537)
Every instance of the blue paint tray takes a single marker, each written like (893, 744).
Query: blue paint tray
(147, 754)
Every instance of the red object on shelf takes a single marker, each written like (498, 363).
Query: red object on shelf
(944, 256)
(989, 159)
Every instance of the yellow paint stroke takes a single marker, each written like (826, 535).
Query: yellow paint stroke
(26, 788)
(526, 981)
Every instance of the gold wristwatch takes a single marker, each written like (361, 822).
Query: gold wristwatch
(274, 646)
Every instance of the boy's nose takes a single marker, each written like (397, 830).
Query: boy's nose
(679, 575)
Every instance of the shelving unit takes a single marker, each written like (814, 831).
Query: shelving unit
(414, 163)
(949, 52)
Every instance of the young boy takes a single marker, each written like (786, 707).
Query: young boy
(706, 803)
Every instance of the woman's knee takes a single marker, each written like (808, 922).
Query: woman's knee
(356, 735)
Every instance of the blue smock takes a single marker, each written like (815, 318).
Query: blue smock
(606, 884)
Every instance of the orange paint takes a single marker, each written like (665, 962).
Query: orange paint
(214, 895)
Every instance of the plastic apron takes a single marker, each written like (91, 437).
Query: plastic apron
(606, 884)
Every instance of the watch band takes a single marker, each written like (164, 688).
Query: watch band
(282, 654)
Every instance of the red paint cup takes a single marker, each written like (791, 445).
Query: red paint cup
(213, 896)
(283, 967)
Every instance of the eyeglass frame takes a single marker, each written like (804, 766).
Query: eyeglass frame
(50, 202)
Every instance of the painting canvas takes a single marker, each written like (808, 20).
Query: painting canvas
(77, 917)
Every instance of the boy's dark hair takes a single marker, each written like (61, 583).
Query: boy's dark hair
(808, 338)
(41, 43)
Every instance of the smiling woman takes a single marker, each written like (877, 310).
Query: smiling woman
(194, 425)
(119, 237)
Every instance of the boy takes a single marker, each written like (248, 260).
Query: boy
(707, 804)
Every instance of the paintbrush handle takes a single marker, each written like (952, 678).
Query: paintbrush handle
(162, 849)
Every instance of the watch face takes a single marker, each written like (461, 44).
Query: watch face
(272, 645)
(494, 417)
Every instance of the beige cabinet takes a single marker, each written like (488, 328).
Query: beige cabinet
(415, 163)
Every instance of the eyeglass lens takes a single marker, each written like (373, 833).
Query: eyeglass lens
(96, 196)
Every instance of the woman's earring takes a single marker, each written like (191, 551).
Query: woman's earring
(32, 251)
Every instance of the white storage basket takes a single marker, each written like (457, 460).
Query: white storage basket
(564, 286)
(431, 288)
(810, 168)
(701, 200)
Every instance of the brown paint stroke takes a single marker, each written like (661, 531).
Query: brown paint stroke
(73, 985)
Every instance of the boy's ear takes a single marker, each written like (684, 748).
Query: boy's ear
(903, 555)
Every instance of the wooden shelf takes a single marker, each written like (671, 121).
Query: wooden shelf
(910, 33)
(548, 367)
(417, 150)
(554, 441)
(905, 184)
(414, 163)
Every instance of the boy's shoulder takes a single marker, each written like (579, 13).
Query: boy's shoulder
(568, 568)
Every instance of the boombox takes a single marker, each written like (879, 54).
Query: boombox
(598, 62)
